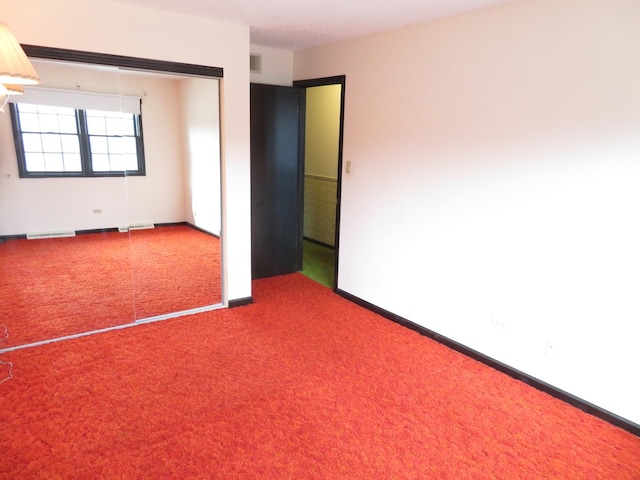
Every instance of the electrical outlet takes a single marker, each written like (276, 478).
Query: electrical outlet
(497, 323)
(550, 350)
(97, 211)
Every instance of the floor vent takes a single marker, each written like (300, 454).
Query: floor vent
(141, 226)
(61, 234)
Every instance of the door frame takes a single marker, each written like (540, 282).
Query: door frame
(320, 82)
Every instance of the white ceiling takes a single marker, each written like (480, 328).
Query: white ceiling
(297, 24)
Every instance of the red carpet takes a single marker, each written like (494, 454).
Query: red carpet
(300, 385)
(56, 287)
(174, 268)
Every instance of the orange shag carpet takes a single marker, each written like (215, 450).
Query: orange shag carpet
(63, 286)
(300, 385)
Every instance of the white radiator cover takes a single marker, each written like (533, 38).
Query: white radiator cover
(57, 234)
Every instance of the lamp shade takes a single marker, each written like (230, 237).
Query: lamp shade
(14, 89)
(15, 67)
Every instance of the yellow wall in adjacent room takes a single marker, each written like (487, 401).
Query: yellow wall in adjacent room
(322, 130)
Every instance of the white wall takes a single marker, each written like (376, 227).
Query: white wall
(201, 134)
(119, 28)
(157, 197)
(277, 66)
(495, 180)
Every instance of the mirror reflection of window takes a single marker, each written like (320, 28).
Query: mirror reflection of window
(115, 144)
(89, 177)
(47, 139)
(59, 140)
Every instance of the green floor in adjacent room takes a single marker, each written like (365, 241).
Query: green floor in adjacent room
(318, 263)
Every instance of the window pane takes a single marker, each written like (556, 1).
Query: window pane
(100, 163)
(127, 126)
(66, 111)
(127, 145)
(121, 145)
(46, 109)
(49, 123)
(51, 143)
(53, 162)
(68, 124)
(27, 107)
(115, 145)
(29, 122)
(70, 143)
(34, 162)
(99, 145)
(32, 142)
(117, 163)
(96, 126)
(72, 162)
(130, 162)
(114, 126)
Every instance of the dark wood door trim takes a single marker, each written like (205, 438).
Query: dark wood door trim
(320, 82)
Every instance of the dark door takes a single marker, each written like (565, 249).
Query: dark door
(277, 143)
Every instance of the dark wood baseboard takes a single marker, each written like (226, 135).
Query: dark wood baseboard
(185, 224)
(240, 302)
(4, 238)
(175, 224)
(96, 230)
(579, 403)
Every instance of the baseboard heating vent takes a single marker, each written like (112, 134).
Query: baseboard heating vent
(60, 234)
(141, 226)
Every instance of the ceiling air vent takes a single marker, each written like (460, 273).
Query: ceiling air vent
(255, 63)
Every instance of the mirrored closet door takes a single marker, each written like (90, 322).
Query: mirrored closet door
(109, 196)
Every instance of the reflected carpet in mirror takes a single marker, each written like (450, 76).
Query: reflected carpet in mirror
(56, 287)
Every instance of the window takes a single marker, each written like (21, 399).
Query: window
(54, 141)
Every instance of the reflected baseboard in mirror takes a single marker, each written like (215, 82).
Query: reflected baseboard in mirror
(57, 287)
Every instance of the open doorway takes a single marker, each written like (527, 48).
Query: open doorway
(283, 221)
(322, 177)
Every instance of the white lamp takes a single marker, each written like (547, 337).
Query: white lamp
(15, 67)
